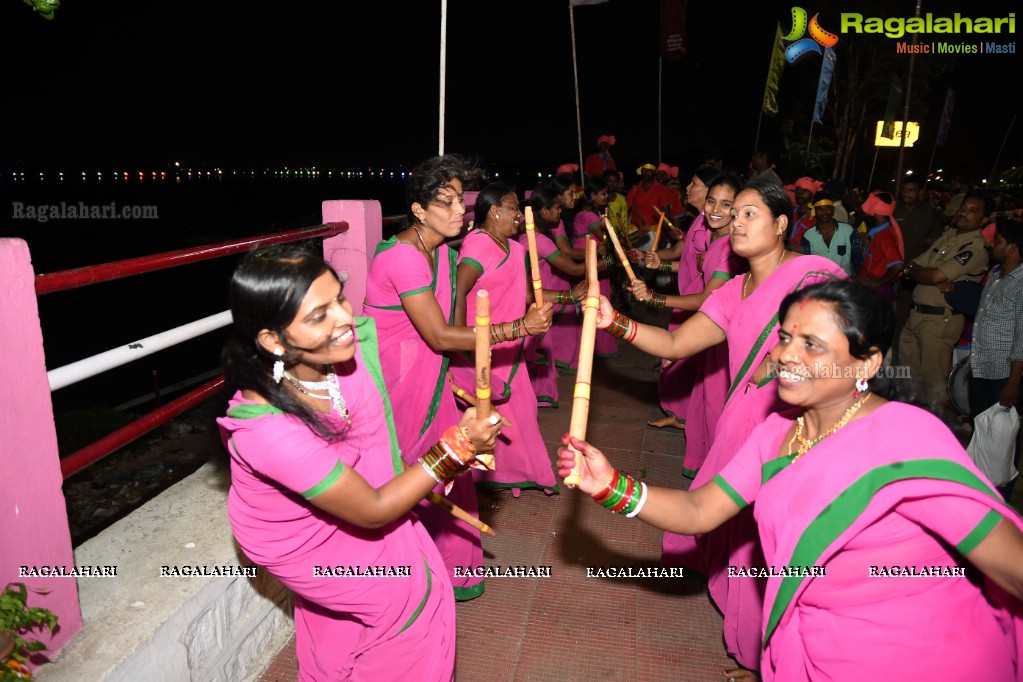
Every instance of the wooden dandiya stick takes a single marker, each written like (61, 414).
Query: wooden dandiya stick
(618, 249)
(456, 511)
(461, 393)
(534, 261)
(584, 373)
(483, 367)
(482, 354)
(657, 234)
(459, 513)
(625, 229)
(665, 218)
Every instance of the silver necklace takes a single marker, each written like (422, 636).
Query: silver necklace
(337, 401)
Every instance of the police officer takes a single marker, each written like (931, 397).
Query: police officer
(929, 337)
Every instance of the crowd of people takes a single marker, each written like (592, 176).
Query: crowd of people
(800, 450)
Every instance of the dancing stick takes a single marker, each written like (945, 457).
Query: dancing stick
(483, 367)
(534, 263)
(666, 218)
(469, 398)
(581, 397)
(456, 511)
(482, 354)
(618, 249)
(459, 513)
(657, 234)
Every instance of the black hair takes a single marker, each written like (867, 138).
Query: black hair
(914, 179)
(726, 180)
(707, 174)
(490, 196)
(544, 196)
(562, 183)
(774, 197)
(594, 184)
(989, 202)
(1012, 232)
(867, 320)
(429, 177)
(265, 292)
(611, 173)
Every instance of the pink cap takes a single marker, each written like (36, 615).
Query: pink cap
(664, 167)
(989, 233)
(567, 168)
(810, 184)
(610, 139)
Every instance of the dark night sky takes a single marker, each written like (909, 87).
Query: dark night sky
(344, 84)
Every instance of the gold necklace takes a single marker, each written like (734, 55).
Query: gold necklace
(504, 247)
(750, 275)
(426, 251)
(805, 445)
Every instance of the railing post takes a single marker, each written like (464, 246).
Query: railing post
(350, 253)
(33, 516)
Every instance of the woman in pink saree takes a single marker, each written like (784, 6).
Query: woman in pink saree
(717, 266)
(888, 556)
(490, 259)
(588, 221)
(744, 309)
(678, 378)
(558, 272)
(318, 493)
(410, 292)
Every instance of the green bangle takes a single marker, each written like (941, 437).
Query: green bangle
(665, 266)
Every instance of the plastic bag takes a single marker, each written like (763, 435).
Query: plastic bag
(994, 443)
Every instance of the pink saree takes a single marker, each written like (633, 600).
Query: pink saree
(751, 326)
(521, 456)
(585, 221)
(565, 327)
(707, 400)
(347, 628)
(676, 381)
(891, 493)
(417, 383)
(538, 351)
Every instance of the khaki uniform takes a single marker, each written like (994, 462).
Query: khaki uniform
(929, 337)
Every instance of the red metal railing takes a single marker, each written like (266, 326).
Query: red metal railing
(80, 277)
(106, 272)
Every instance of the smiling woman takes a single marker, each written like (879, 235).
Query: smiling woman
(316, 474)
(853, 493)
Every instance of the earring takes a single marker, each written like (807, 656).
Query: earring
(278, 366)
(861, 387)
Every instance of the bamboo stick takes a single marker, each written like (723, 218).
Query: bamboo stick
(657, 234)
(584, 373)
(482, 354)
(459, 513)
(618, 249)
(666, 218)
(471, 399)
(534, 261)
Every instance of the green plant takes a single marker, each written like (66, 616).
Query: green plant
(17, 618)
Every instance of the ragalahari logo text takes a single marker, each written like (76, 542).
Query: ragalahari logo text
(799, 47)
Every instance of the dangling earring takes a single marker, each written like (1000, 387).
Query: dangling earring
(278, 366)
(861, 387)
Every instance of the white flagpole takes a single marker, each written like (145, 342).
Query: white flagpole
(443, 73)
(575, 73)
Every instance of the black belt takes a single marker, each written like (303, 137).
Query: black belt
(930, 309)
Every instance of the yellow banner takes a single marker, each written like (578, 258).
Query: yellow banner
(912, 134)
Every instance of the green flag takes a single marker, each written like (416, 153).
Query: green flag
(770, 106)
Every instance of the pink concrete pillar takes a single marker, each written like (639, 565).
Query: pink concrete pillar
(33, 516)
(350, 253)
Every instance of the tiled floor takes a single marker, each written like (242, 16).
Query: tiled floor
(569, 627)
